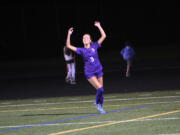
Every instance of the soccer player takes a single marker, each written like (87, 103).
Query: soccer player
(93, 67)
(69, 57)
(128, 53)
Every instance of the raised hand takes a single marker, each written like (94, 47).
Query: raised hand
(70, 31)
(103, 34)
(97, 24)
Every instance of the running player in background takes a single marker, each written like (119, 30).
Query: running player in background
(69, 57)
(128, 53)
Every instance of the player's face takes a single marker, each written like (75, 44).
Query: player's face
(86, 39)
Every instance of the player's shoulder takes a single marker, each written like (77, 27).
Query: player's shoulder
(95, 44)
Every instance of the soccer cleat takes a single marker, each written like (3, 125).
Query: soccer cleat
(102, 111)
(72, 82)
(99, 107)
(127, 74)
(96, 105)
(67, 80)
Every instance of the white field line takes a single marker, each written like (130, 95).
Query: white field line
(171, 134)
(38, 101)
(144, 95)
(73, 99)
(89, 101)
(5, 103)
(109, 97)
(87, 123)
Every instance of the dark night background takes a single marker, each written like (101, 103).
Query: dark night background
(32, 34)
(38, 29)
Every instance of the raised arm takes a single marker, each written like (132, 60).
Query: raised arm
(68, 41)
(103, 34)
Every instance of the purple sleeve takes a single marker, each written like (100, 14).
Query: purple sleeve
(79, 51)
(97, 45)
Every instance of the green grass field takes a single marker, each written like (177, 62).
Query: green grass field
(141, 113)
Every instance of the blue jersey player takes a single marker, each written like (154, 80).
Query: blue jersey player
(93, 67)
(128, 53)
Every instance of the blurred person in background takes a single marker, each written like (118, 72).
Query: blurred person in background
(128, 53)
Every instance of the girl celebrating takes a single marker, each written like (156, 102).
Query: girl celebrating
(93, 67)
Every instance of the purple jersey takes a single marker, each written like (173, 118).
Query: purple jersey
(91, 59)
